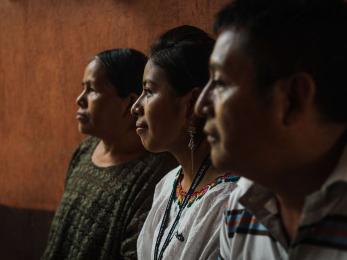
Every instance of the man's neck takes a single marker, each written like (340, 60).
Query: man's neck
(295, 187)
(290, 213)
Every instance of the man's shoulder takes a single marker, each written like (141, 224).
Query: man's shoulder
(242, 186)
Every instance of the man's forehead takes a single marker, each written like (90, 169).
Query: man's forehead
(222, 48)
(227, 47)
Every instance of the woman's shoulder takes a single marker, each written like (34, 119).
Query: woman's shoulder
(86, 146)
(89, 142)
(156, 164)
(167, 182)
(164, 187)
(216, 191)
(224, 184)
(161, 197)
(224, 195)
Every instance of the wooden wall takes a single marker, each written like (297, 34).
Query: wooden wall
(44, 46)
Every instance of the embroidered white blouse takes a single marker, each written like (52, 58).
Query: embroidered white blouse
(199, 224)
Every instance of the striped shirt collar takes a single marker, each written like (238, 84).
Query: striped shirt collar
(340, 172)
(261, 202)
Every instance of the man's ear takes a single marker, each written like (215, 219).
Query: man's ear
(297, 97)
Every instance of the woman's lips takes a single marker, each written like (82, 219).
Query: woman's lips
(83, 118)
(211, 134)
(140, 128)
(211, 139)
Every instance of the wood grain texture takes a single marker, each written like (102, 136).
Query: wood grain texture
(44, 46)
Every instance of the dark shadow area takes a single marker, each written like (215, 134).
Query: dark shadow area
(23, 232)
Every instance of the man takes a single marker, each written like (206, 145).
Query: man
(111, 178)
(276, 113)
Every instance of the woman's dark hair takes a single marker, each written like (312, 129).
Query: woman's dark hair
(124, 69)
(183, 53)
(291, 36)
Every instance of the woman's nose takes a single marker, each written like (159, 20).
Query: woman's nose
(137, 109)
(203, 104)
(81, 100)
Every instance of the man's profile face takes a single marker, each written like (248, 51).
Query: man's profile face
(239, 124)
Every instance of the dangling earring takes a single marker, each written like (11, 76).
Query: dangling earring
(192, 143)
(192, 133)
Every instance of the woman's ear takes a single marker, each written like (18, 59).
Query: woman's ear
(130, 100)
(193, 97)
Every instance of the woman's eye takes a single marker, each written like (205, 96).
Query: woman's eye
(91, 89)
(147, 92)
(219, 83)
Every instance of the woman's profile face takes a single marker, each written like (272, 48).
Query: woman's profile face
(161, 114)
(99, 106)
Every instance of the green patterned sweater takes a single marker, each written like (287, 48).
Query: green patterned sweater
(103, 209)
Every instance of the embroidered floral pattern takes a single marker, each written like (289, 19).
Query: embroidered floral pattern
(181, 194)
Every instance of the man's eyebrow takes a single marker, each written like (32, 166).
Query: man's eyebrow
(228, 63)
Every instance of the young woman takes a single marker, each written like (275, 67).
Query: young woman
(186, 213)
(111, 178)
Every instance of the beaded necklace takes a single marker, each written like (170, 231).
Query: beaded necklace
(197, 179)
(180, 194)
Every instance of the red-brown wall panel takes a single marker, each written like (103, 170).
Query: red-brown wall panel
(44, 46)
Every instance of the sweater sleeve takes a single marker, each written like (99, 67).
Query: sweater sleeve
(128, 246)
(72, 164)
(150, 172)
(84, 145)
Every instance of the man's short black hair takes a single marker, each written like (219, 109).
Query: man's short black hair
(292, 36)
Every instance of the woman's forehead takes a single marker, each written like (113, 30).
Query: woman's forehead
(154, 73)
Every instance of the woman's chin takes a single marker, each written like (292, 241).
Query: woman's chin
(83, 129)
(150, 145)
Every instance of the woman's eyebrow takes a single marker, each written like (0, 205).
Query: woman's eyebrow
(85, 83)
(146, 81)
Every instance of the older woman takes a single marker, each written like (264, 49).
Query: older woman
(111, 178)
(186, 213)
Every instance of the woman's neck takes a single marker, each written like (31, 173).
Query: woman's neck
(113, 151)
(191, 162)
